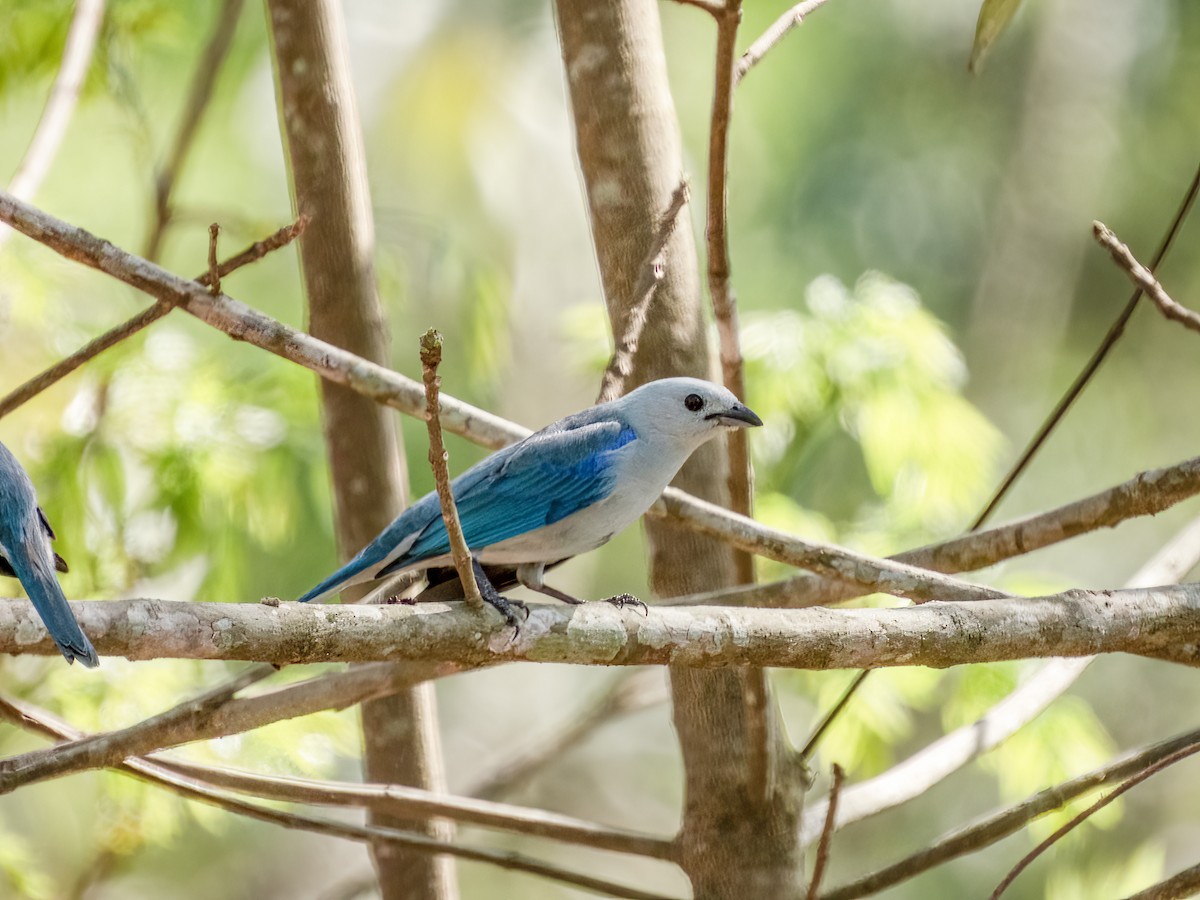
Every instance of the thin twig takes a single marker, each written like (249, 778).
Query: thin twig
(60, 105)
(1095, 807)
(38, 720)
(214, 273)
(1143, 278)
(819, 732)
(739, 478)
(199, 97)
(620, 367)
(109, 748)
(415, 803)
(936, 761)
(431, 358)
(64, 367)
(888, 577)
(1085, 376)
(772, 36)
(826, 833)
(1146, 494)
(998, 825)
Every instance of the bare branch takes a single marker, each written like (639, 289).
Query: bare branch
(1143, 278)
(826, 833)
(1001, 824)
(144, 319)
(96, 751)
(38, 720)
(1093, 365)
(772, 36)
(952, 751)
(712, 7)
(1156, 622)
(60, 106)
(214, 274)
(720, 289)
(203, 82)
(1095, 807)
(1182, 884)
(844, 565)
(411, 802)
(620, 367)
(431, 358)
(392, 389)
(1146, 494)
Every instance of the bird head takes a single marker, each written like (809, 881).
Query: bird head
(686, 409)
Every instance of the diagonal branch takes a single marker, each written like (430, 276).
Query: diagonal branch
(60, 106)
(64, 367)
(199, 96)
(772, 36)
(415, 803)
(952, 751)
(1001, 824)
(34, 719)
(96, 751)
(620, 367)
(241, 322)
(1146, 494)
(1084, 378)
(1143, 279)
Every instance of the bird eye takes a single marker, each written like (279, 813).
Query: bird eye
(693, 402)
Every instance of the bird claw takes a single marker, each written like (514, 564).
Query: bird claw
(620, 601)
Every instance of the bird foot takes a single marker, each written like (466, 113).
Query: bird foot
(493, 598)
(620, 601)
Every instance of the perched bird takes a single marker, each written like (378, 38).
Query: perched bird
(25, 554)
(563, 491)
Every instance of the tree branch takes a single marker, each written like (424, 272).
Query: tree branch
(431, 358)
(999, 825)
(64, 367)
(1144, 279)
(34, 719)
(1146, 494)
(199, 96)
(952, 751)
(1158, 622)
(772, 36)
(60, 106)
(241, 322)
(415, 803)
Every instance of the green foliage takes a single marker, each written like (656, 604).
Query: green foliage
(866, 420)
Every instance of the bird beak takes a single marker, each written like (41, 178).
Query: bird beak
(737, 416)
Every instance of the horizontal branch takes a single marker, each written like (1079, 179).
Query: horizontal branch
(1159, 622)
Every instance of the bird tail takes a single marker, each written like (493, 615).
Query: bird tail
(47, 597)
(349, 574)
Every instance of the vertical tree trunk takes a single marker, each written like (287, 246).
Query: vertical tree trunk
(739, 835)
(328, 172)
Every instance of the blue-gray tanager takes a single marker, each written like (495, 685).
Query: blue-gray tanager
(25, 554)
(563, 491)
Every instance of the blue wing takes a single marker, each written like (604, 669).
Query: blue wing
(25, 552)
(544, 478)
